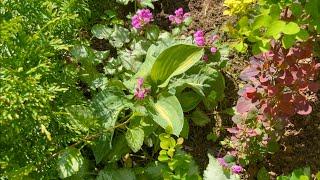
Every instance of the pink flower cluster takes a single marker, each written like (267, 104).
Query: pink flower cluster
(234, 168)
(141, 18)
(178, 17)
(140, 92)
(200, 40)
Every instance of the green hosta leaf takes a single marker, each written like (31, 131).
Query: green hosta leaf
(215, 172)
(275, 29)
(145, 69)
(288, 41)
(167, 112)
(116, 174)
(199, 118)
(107, 105)
(189, 100)
(174, 61)
(291, 28)
(261, 21)
(69, 162)
(101, 31)
(135, 138)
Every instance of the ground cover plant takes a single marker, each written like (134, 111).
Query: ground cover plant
(115, 89)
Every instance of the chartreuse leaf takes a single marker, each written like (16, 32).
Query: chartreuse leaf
(215, 172)
(291, 28)
(174, 61)
(135, 138)
(167, 112)
(116, 174)
(69, 162)
(275, 29)
(318, 176)
(261, 21)
(107, 105)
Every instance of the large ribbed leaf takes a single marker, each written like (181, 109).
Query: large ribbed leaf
(174, 61)
(107, 105)
(167, 112)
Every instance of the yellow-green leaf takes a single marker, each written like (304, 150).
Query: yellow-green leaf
(167, 112)
(174, 61)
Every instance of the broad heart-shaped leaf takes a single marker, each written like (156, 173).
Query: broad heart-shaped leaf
(174, 61)
(291, 28)
(116, 174)
(135, 138)
(167, 112)
(275, 28)
(69, 162)
(107, 105)
(119, 36)
(215, 172)
(101, 31)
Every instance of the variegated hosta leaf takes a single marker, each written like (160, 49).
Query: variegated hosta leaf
(167, 112)
(174, 61)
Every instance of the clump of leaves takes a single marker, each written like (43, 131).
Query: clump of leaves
(287, 22)
(279, 83)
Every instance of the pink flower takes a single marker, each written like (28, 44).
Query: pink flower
(213, 50)
(140, 92)
(141, 18)
(140, 82)
(236, 169)
(222, 162)
(178, 17)
(199, 38)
